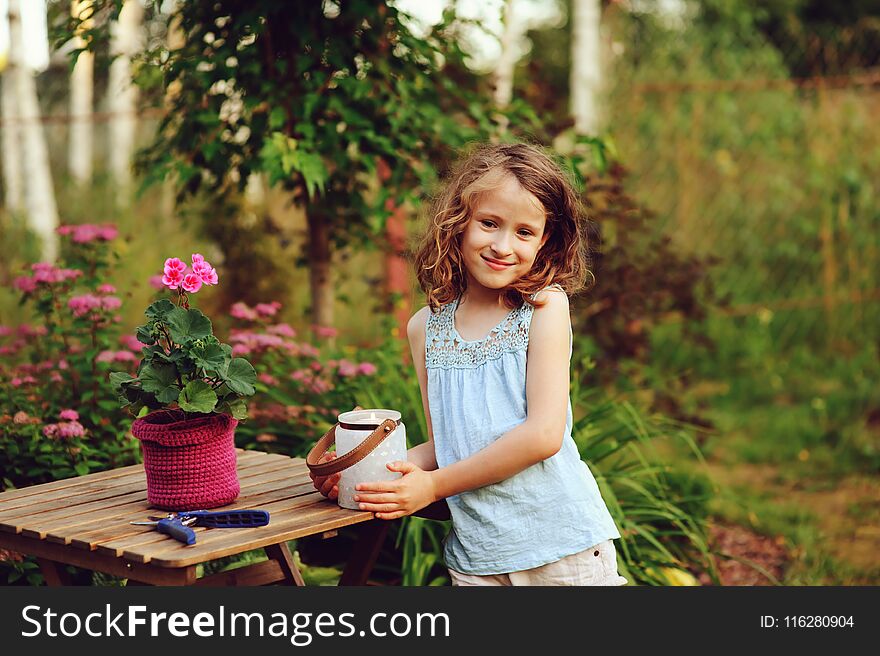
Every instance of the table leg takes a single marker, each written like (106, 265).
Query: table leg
(365, 551)
(54, 573)
(281, 554)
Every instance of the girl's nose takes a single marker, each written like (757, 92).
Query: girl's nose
(501, 245)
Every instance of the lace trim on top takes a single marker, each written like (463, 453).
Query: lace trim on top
(446, 349)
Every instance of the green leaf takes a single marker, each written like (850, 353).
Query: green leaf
(238, 409)
(277, 118)
(161, 380)
(145, 334)
(211, 357)
(187, 325)
(241, 377)
(81, 468)
(159, 310)
(118, 379)
(197, 396)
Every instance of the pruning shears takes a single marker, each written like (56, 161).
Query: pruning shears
(177, 524)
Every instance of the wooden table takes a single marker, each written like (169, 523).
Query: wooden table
(84, 521)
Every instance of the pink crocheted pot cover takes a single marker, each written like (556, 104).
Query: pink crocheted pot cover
(190, 464)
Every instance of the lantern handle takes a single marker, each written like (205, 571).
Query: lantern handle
(351, 458)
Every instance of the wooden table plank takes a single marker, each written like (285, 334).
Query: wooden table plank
(115, 544)
(85, 531)
(283, 498)
(40, 523)
(329, 518)
(84, 521)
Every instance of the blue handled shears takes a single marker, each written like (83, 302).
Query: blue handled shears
(177, 524)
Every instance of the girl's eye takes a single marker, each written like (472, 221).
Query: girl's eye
(525, 233)
(487, 223)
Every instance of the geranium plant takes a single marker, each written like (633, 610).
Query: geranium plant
(184, 365)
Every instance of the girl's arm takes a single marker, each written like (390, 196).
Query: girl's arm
(536, 439)
(422, 455)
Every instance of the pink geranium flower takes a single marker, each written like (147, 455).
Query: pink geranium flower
(191, 283)
(173, 279)
(205, 272)
(68, 415)
(173, 264)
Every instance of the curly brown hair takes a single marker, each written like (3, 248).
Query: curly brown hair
(564, 257)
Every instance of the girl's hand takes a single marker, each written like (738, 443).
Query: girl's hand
(398, 498)
(327, 485)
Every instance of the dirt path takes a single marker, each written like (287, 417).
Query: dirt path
(846, 515)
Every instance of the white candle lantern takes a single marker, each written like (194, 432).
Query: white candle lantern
(353, 428)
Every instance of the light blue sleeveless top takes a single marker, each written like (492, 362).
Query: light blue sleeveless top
(476, 393)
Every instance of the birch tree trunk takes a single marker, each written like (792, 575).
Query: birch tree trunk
(586, 66)
(80, 147)
(123, 94)
(507, 60)
(42, 212)
(175, 39)
(13, 184)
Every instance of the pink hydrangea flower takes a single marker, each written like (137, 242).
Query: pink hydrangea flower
(282, 329)
(267, 309)
(241, 310)
(70, 429)
(321, 386)
(111, 303)
(347, 369)
(68, 415)
(106, 289)
(325, 332)
(82, 305)
(367, 368)
(25, 284)
(130, 342)
(88, 232)
(191, 283)
(105, 356)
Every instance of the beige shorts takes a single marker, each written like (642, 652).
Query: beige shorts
(594, 566)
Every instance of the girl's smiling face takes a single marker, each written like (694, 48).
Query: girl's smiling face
(503, 235)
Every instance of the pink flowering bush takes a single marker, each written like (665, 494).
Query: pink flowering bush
(301, 386)
(58, 417)
(184, 366)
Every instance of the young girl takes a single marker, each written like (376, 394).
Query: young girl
(504, 247)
